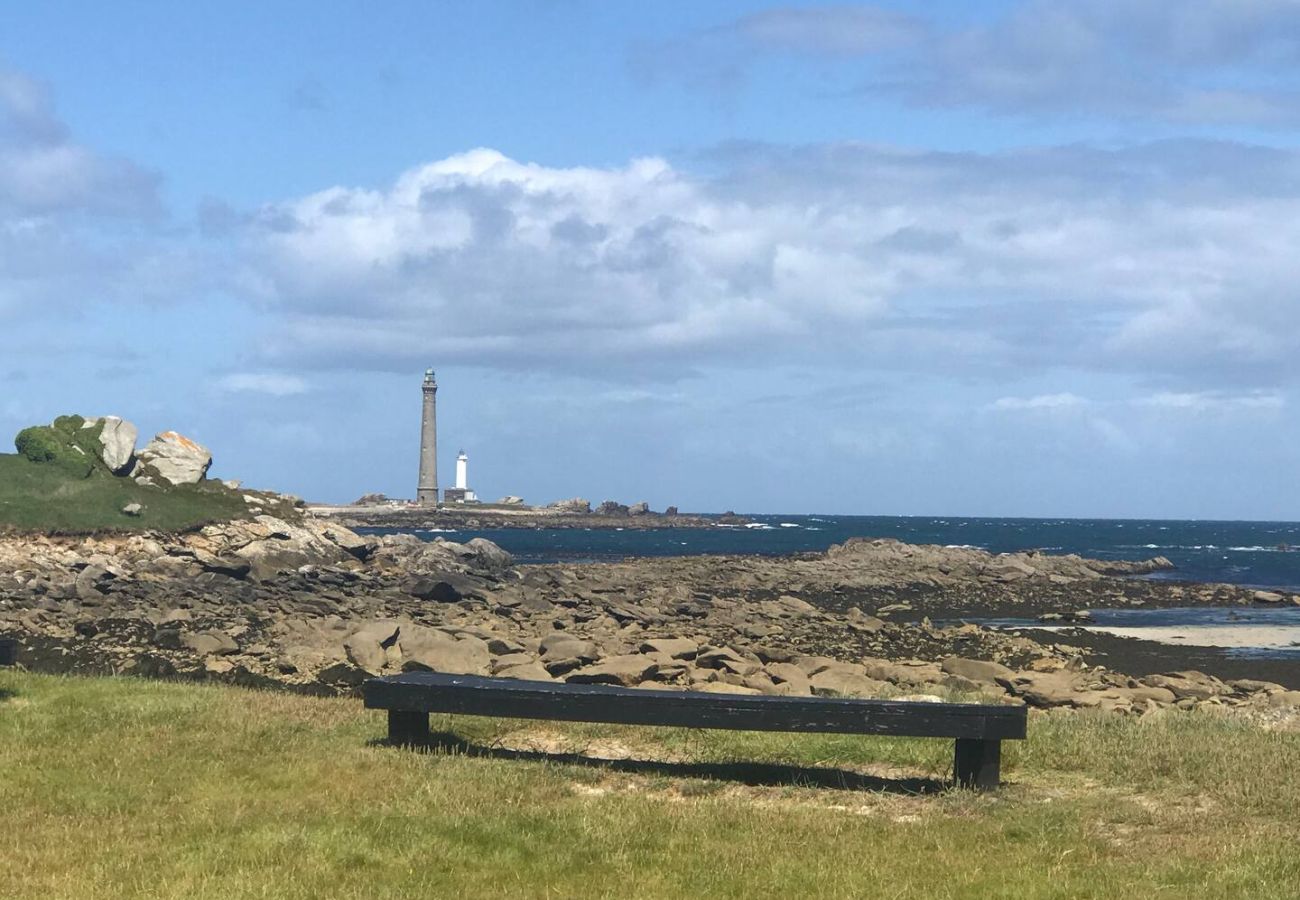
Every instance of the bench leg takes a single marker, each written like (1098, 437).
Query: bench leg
(406, 727)
(978, 764)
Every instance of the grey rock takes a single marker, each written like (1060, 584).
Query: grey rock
(132, 509)
(976, 670)
(175, 459)
(575, 505)
(427, 649)
(118, 442)
(627, 669)
(675, 648)
(207, 643)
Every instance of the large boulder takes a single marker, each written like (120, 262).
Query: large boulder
(175, 459)
(117, 438)
(427, 649)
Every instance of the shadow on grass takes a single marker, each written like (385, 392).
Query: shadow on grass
(754, 774)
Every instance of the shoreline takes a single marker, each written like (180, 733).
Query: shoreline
(494, 516)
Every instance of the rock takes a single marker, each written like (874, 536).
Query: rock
(132, 509)
(722, 687)
(118, 442)
(860, 621)
(436, 590)
(789, 673)
(367, 646)
(563, 653)
(727, 659)
(627, 669)
(174, 459)
(1267, 597)
(1189, 685)
(670, 511)
(842, 681)
(576, 505)
(511, 500)
(207, 643)
(1285, 699)
(1047, 689)
(351, 542)
(976, 670)
(487, 556)
(533, 671)
(1251, 686)
(427, 649)
(639, 509)
(562, 645)
(611, 508)
(674, 648)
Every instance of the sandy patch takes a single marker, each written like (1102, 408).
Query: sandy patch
(1273, 637)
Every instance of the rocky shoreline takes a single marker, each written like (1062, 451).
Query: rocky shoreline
(311, 606)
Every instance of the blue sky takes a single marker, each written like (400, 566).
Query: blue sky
(1003, 258)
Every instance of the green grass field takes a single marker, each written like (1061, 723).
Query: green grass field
(129, 788)
(48, 497)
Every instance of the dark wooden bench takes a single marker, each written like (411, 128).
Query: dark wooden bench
(8, 652)
(978, 729)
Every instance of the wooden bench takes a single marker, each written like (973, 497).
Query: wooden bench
(977, 729)
(8, 652)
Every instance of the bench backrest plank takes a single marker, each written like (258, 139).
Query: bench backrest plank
(431, 692)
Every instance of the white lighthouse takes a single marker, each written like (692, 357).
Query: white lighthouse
(461, 492)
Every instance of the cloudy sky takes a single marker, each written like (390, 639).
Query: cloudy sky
(954, 258)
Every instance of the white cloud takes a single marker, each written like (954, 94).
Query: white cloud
(1171, 260)
(1041, 402)
(276, 385)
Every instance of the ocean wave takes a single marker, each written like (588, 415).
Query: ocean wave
(791, 525)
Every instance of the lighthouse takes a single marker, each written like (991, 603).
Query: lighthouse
(461, 492)
(426, 493)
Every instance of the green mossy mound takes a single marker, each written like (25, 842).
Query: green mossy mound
(66, 442)
(59, 483)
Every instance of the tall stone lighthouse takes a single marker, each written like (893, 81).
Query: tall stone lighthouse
(426, 493)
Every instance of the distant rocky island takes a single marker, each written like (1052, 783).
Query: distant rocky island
(379, 511)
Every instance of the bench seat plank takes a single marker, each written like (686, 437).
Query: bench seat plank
(431, 692)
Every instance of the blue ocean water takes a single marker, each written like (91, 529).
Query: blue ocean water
(1245, 553)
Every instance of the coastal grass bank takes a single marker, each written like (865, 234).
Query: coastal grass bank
(122, 787)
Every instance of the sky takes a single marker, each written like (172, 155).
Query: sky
(1016, 258)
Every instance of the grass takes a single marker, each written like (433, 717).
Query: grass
(130, 788)
(49, 497)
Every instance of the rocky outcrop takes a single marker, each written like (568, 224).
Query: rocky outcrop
(575, 506)
(117, 437)
(172, 458)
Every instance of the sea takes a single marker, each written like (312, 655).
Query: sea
(1254, 554)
